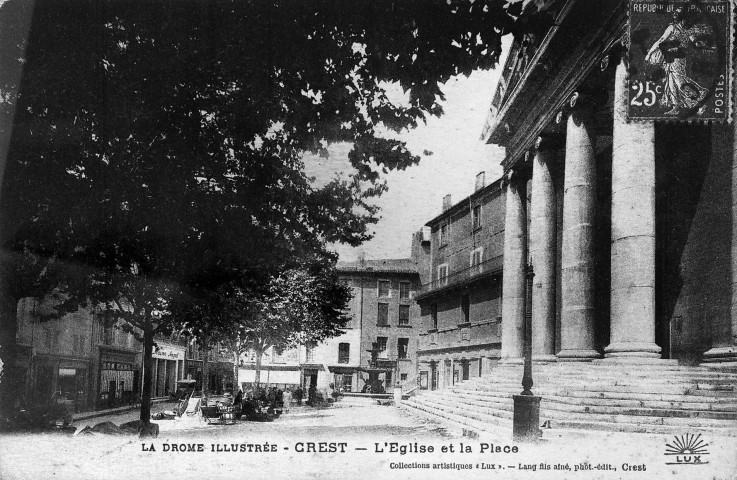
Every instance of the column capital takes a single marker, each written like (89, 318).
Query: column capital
(549, 142)
(582, 100)
(515, 177)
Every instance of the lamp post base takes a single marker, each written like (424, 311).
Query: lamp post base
(526, 420)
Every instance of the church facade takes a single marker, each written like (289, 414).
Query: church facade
(626, 219)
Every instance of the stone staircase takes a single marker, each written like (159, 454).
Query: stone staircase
(667, 399)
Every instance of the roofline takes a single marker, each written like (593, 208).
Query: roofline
(456, 206)
(354, 267)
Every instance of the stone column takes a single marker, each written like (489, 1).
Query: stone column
(543, 252)
(513, 275)
(724, 333)
(579, 212)
(633, 232)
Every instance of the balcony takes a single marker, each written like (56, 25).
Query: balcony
(490, 267)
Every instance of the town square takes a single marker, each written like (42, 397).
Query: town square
(412, 238)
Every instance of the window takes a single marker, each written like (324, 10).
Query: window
(310, 352)
(404, 315)
(107, 334)
(382, 316)
(444, 231)
(434, 315)
(402, 347)
(344, 352)
(381, 346)
(465, 307)
(477, 256)
(476, 217)
(443, 274)
(384, 288)
(404, 289)
(403, 377)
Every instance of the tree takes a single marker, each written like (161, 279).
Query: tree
(159, 144)
(300, 306)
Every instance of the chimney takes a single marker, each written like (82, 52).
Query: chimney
(446, 202)
(480, 181)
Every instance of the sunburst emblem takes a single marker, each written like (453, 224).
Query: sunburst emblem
(687, 444)
(690, 446)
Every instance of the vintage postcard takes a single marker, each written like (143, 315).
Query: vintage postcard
(413, 239)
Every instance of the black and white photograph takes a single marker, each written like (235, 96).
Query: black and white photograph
(406, 239)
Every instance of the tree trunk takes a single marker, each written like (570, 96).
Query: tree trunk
(205, 372)
(236, 359)
(148, 347)
(257, 376)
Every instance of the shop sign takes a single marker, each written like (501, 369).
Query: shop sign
(168, 353)
(680, 60)
(116, 366)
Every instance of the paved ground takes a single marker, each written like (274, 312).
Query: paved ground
(281, 449)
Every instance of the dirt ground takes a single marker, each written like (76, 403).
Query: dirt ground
(356, 442)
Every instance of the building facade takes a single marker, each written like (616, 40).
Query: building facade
(386, 317)
(220, 367)
(628, 224)
(281, 368)
(81, 360)
(459, 255)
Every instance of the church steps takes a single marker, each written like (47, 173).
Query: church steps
(458, 421)
(490, 417)
(615, 414)
(615, 402)
(577, 396)
(615, 397)
(630, 387)
(485, 415)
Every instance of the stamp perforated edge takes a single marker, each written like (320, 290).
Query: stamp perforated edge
(731, 83)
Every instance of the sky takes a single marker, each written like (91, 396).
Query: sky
(415, 195)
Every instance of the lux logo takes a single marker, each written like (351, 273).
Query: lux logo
(688, 450)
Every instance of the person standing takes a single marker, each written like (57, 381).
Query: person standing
(287, 399)
(298, 394)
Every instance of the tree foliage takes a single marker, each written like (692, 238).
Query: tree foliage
(158, 144)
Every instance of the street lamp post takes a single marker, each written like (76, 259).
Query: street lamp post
(526, 405)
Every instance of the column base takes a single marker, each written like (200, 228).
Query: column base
(661, 362)
(632, 349)
(581, 355)
(721, 354)
(544, 358)
(721, 357)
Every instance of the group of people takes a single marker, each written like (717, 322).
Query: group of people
(264, 404)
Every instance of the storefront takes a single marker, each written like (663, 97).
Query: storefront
(345, 379)
(119, 378)
(282, 376)
(220, 375)
(168, 367)
(63, 381)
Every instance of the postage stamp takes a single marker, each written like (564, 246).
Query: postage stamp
(680, 60)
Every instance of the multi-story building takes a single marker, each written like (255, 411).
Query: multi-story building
(80, 359)
(383, 310)
(459, 257)
(220, 367)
